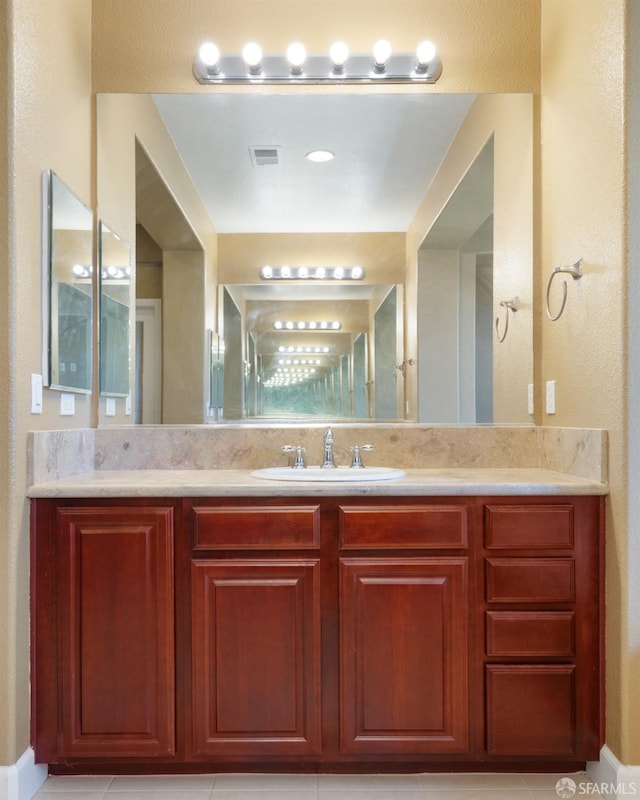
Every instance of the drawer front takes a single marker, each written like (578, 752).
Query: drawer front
(256, 527)
(404, 527)
(529, 526)
(530, 633)
(530, 580)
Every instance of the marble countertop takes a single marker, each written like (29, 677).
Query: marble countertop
(240, 483)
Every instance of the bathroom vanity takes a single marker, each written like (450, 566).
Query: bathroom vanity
(259, 626)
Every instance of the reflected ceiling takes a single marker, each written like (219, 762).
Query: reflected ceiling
(388, 148)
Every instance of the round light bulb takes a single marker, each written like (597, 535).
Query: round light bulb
(320, 273)
(285, 272)
(252, 54)
(425, 53)
(338, 273)
(381, 52)
(338, 53)
(266, 272)
(296, 55)
(303, 272)
(277, 325)
(357, 273)
(209, 54)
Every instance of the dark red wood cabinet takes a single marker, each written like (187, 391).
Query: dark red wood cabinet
(316, 633)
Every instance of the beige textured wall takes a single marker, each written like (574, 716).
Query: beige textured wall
(583, 215)
(149, 45)
(142, 45)
(8, 573)
(49, 118)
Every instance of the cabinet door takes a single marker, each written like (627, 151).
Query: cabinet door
(116, 631)
(256, 657)
(531, 709)
(403, 664)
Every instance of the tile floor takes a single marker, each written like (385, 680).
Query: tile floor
(459, 786)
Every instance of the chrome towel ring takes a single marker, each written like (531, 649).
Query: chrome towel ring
(575, 270)
(508, 305)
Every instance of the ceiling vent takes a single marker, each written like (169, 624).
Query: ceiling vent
(265, 156)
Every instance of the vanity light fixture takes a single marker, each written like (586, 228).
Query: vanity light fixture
(268, 273)
(290, 325)
(337, 66)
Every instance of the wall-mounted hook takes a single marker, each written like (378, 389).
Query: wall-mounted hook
(575, 270)
(403, 367)
(508, 305)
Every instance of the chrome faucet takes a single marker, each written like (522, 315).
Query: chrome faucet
(327, 461)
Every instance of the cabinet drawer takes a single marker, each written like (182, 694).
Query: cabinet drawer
(530, 580)
(406, 527)
(256, 527)
(530, 633)
(531, 526)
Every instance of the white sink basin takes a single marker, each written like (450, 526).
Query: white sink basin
(340, 474)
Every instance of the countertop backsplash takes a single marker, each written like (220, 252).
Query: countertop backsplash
(53, 455)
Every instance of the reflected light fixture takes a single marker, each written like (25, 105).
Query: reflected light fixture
(303, 349)
(300, 325)
(286, 273)
(320, 156)
(337, 66)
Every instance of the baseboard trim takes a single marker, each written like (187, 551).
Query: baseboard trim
(20, 781)
(615, 780)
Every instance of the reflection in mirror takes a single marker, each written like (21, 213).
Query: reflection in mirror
(114, 259)
(276, 368)
(70, 289)
(455, 304)
(216, 374)
(202, 190)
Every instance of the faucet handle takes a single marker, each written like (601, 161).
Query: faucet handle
(298, 461)
(356, 459)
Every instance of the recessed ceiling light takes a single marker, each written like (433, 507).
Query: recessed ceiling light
(320, 156)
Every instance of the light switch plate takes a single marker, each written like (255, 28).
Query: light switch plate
(110, 407)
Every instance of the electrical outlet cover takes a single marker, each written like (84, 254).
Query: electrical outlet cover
(67, 405)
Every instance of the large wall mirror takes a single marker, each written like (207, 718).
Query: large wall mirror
(69, 278)
(318, 345)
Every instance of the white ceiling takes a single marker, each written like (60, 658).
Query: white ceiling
(388, 148)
